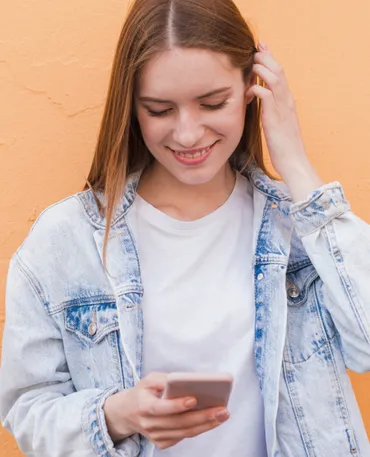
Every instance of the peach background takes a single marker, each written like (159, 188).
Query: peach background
(55, 59)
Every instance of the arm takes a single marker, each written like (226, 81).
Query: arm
(38, 402)
(338, 244)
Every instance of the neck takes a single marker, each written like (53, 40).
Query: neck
(183, 201)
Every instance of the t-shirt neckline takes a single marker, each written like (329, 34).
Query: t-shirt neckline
(158, 218)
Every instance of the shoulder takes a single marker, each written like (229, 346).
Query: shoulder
(61, 219)
(276, 194)
(269, 187)
(59, 240)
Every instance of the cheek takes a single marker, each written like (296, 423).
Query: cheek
(231, 123)
(237, 112)
(150, 129)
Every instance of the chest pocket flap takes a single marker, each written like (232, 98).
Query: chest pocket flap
(309, 325)
(299, 283)
(92, 322)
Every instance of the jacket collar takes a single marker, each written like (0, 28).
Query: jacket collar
(261, 182)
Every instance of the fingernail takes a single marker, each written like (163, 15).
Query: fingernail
(263, 45)
(222, 415)
(191, 403)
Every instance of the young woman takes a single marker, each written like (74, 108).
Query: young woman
(241, 273)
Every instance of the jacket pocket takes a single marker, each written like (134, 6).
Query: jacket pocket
(92, 345)
(309, 326)
(92, 323)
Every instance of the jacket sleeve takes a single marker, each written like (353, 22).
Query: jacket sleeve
(338, 244)
(39, 404)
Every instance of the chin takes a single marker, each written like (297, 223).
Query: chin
(196, 177)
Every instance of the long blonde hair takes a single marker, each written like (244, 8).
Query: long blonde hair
(151, 27)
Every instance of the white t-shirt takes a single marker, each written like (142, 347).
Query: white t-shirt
(199, 312)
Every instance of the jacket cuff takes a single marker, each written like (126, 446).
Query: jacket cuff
(323, 205)
(95, 427)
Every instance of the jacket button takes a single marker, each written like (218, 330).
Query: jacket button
(92, 329)
(293, 291)
(260, 277)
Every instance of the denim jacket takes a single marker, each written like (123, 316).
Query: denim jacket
(74, 330)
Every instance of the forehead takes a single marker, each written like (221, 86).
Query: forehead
(186, 72)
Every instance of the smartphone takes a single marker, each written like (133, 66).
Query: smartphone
(210, 389)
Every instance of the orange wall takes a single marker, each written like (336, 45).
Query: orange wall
(55, 59)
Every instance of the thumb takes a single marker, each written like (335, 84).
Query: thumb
(155, 382)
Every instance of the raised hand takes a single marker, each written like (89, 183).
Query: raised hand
(281, 126)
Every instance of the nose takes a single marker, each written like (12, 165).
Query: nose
(188, 131)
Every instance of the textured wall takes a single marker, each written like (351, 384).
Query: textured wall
(55, 59)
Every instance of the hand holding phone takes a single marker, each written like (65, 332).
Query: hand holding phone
(165, 422)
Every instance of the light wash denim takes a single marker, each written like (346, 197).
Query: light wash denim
(74, 331)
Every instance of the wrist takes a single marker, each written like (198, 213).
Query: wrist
(118, 428)
(301, 179)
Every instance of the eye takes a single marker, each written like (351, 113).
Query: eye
(158, 113)
(216, 107)
(167, 111)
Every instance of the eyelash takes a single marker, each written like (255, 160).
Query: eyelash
(208, 107)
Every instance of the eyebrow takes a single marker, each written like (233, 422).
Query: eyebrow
(208, 94)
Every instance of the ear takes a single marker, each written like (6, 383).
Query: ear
(251, 83)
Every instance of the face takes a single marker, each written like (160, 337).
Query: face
(191, 107)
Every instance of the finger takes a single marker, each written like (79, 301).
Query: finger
(191, 432)
(190, 419)
(162, 407)
(155, 381)
(268, 61)
(262, 93)
(272, 81)
(262, 47)
(165, 444)
(203, 428)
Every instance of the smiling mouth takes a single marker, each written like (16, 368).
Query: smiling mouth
(195, 158)
(194, 155)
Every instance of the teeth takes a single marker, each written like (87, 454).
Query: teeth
(194, 156)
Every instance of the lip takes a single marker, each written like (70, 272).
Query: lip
(194, 151)
(193, 162)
